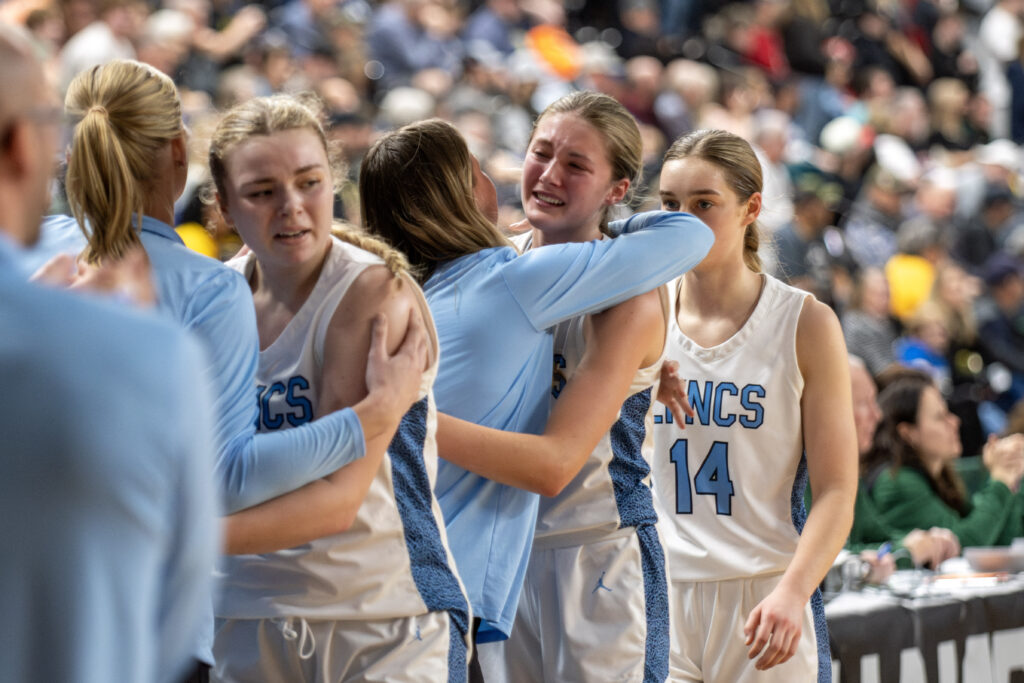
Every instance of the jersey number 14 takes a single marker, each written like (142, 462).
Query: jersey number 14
(712, 478)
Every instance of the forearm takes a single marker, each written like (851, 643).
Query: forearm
(525, 461)
(321, 508)
(827, 527)
(254, 468)
(988, 518)
(561, 281)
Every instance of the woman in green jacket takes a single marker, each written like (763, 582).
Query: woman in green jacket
(911, 476)
(870, 530)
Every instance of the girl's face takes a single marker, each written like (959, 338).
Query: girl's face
(280, 196)
(700, 187)
(567, 178)
(936, 435)
(875, 293)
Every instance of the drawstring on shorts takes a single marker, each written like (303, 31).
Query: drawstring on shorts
(304, 633)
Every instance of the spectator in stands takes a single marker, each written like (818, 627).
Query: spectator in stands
(980, 238)
(947, 101)
(109, 37)
(494, 22)
(407, 36)
(954, 294)
(802, 257)
(867, 328)
(926, 548)
(772, 132)
(912, 480)
(926, 344)
(874, 217)
(911, 270)
(1002, 321)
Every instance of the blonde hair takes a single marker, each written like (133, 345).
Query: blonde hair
(742, 170)
(623, 145)
(416, 191)
(126, 111)
(269, 115)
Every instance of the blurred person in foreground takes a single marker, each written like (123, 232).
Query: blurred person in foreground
(106, 500)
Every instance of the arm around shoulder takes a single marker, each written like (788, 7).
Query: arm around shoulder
(621, 340)
(329, 505)
(557, 282)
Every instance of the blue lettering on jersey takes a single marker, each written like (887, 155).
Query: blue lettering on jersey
(558, 379)
(300, 407)
(712, 478)
(710, 403)
(748, 403)
(720, 391)
(298, 401)
(276, 421)
(701, 403)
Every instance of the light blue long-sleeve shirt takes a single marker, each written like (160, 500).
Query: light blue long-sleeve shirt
(107, 508)
(494, 312)
(210, 299)
(213, 301)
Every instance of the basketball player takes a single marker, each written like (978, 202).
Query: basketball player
(361, 586)
(127, 165)
(595, 599)
(421, 190)
(766, 374)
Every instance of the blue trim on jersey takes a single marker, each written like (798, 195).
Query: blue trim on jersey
(799, 513)
(434, 579)
(821, 633)
(458, 666)
(652, 562)
(628, 469)
(796, 497)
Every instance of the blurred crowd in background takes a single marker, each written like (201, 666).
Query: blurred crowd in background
(889, 131)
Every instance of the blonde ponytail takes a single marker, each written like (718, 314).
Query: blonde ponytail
(393, 259)
(127, 111)
(751, 245)
(101, 188)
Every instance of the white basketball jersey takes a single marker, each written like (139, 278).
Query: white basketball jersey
(613, 489)
(394, 560)
(730, 485)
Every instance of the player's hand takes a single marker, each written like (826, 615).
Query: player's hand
(395, 379)
(774, 627)
(672, 393)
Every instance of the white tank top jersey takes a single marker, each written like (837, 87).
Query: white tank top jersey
(730, 485)
(612, 491)
(393, 562)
